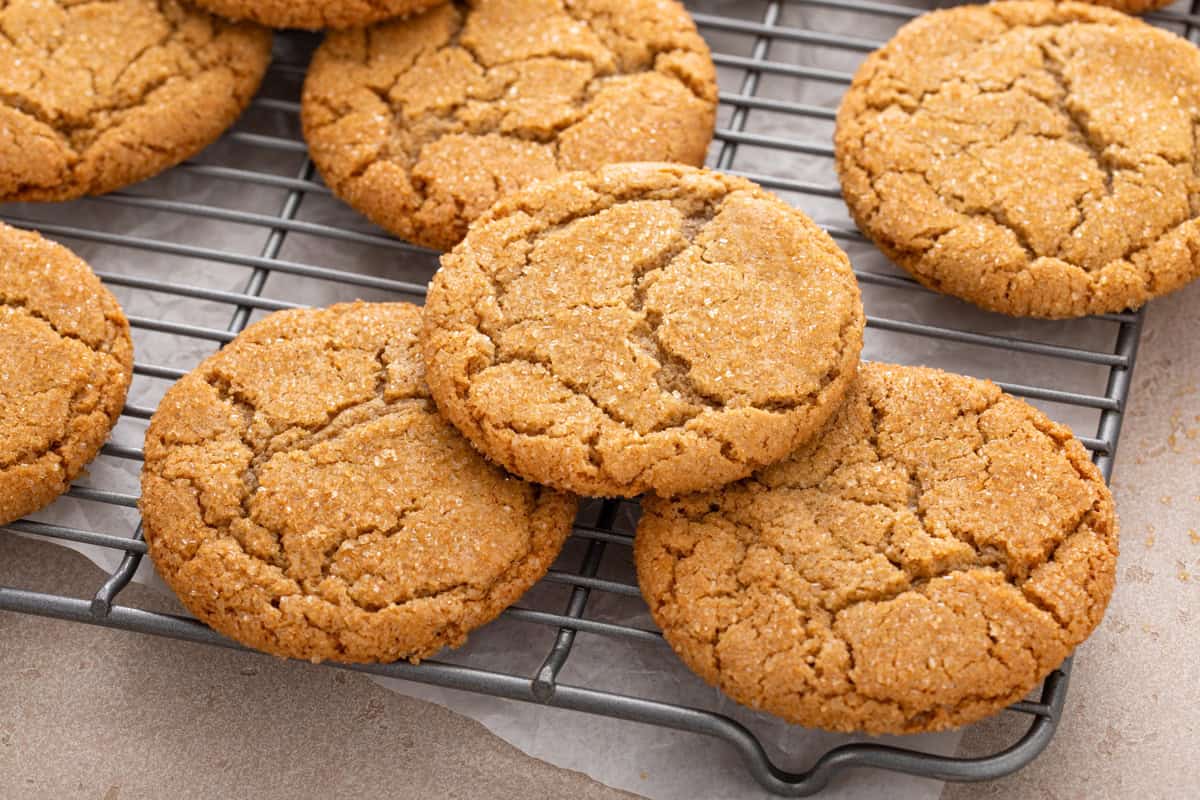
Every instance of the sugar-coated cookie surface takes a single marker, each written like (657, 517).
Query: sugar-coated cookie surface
(315, 14)
(302, 495)
(1037, 159)
(647, 327)
(1131, 6)
(423, 123)
(98, 95)
(925, 562)
(66, 361)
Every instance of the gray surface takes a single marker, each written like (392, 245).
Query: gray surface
(184, 721)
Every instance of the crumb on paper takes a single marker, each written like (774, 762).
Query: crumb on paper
(1137, 574)
(1194, 536)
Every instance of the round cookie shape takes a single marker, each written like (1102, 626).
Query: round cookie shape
(647, 327)
(302, 495)
(423, 123)
(66, 361)
(315, 14)
(96, 96)
(925, 562)
(1036, 159)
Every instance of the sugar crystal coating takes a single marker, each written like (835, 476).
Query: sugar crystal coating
(923, 563)
(315, 14)
(98, 95)
(1037, 159)
(644, 327)
(423, 123)
(66, 360)
(302, 495)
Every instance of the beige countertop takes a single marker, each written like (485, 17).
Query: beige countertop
(187, 721)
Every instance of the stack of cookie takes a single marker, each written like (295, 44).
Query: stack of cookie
(884, 548)
(874, 547)
(879, 548)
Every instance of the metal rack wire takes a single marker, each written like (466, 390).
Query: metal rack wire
(782, 66)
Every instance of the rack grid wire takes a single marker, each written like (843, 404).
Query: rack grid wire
(784, 64)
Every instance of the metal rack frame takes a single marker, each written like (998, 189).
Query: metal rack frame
(544, 685)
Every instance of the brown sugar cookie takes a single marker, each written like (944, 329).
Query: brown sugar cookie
(66, 360)
(96, 96)
(302, 495)
(423, 123)
(1132, 6)
(1037, 159)
(315, 14)
(925, 562)
(645, 327)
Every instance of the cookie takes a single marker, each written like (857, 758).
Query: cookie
(96, 96)
(1036, 159)
(423, 123)
(1132, 6)
(648, 327)
(66, 360)
(302, 496)
(924, 563)
(315, 14)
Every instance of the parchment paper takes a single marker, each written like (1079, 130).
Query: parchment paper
(651, 761)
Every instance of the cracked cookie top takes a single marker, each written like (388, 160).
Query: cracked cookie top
(1037, 159)
(937, 551)
(315, 14)
(1132, 6)
(98, 95)
(645, 327)
(423, 123)
(66, 360)
(302, 495)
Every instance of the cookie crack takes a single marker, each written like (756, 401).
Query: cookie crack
(261, 451)
(674, 371)
(450, 119)
(1081, 133)
(673, 375)
(76, 131)
(56, 447)
(23, 305)
(997, 561)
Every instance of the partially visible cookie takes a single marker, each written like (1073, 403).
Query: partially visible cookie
(302, 495)
(423, 123)
(647, 327)
(924, 563)
(66, 361)
(96, 96)
(315, 14)
(1134, 6)
(1037, 159)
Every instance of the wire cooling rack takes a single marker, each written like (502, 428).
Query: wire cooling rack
(198, 253)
